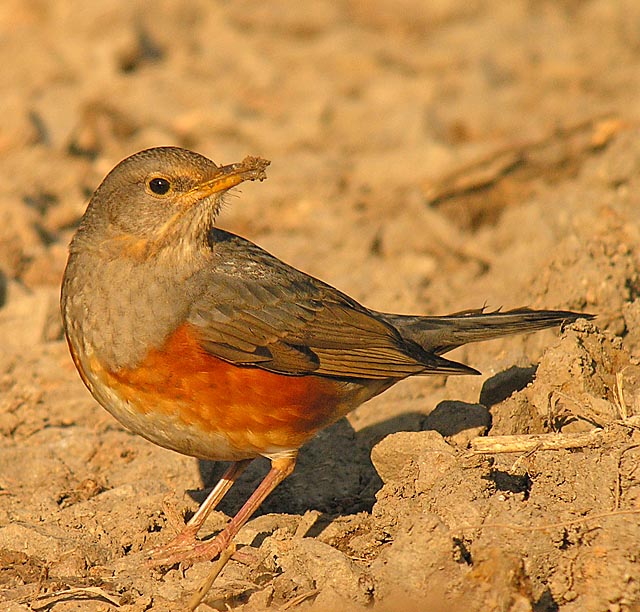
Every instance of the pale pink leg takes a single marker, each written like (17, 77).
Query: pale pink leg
(186, 539)
(280, 469)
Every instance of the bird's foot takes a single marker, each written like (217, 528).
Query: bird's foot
(172, 552)
(184, 548)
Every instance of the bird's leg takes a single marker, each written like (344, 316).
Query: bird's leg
(186, 539)
(280, 469)
(217, 493)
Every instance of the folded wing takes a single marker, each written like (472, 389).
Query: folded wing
(254, 310)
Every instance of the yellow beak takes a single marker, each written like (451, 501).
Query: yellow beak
(249, 169)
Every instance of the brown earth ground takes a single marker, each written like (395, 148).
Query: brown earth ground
(426, 157)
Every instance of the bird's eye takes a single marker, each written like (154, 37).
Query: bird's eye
(159, 185)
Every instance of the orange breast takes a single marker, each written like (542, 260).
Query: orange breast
(251, 407)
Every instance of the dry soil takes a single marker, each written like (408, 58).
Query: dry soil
(426, 157)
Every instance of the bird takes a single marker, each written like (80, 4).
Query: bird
(204, 343)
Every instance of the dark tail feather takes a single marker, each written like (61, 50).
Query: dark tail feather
(441, 334)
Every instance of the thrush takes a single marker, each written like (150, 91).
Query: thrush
(204, 343)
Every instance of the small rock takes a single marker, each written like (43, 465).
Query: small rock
(397, 452)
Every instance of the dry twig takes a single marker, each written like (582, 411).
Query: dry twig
(206, 584)
(534, 442)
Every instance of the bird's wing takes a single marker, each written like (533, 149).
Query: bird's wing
(255, 310)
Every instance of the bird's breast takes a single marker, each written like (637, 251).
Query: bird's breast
(185, 399)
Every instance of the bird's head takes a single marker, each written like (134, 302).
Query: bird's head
(160, 197)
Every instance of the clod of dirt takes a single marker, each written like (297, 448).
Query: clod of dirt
(576, 381)
(403, 452)
(304, 564)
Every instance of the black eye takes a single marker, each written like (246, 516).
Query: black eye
(159, 185)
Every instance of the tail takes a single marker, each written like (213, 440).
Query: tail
(441, 334)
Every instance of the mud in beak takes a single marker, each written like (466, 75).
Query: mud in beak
(249, 169)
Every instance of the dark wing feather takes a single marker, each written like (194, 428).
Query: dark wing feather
(257, 311)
